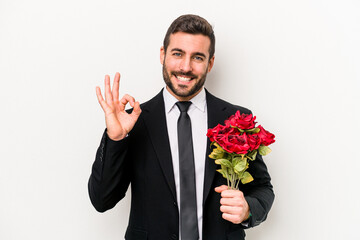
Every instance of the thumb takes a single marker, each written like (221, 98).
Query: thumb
(221, 188)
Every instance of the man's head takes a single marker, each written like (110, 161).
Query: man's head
(192, 24)
(187, 55)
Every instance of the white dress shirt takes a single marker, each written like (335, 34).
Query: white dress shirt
(198, 115)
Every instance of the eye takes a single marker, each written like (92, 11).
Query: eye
(177, 54)
(198, 58)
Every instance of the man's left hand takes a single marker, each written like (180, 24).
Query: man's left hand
(233, 205)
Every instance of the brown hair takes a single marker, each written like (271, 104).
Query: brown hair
(192, 24)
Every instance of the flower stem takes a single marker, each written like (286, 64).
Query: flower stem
(233, 181)
(237, 184)
(227, 178)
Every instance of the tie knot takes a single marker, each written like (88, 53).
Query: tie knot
(183, 106)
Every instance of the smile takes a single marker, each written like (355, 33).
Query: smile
(183, 78)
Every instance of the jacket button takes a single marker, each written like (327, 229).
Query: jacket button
(175, 204)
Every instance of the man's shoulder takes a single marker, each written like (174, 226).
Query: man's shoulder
(156, 101)
(220, 103)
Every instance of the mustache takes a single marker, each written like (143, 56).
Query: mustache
(187, 74)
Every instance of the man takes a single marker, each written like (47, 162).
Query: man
(145, 147)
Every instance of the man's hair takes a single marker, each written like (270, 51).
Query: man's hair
(192, 24)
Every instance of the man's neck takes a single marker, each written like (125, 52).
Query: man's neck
(181, 99)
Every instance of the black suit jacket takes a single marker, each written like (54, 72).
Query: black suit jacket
(144, 159)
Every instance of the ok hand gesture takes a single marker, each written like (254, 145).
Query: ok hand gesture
(118, 122)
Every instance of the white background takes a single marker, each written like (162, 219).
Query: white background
(296, 64)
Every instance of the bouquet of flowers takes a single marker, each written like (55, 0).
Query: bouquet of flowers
(237, 142)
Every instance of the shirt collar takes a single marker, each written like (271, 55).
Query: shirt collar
(199, 101)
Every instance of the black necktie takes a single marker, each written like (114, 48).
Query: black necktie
(188, 210)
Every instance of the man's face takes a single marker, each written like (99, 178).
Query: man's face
(185, 64)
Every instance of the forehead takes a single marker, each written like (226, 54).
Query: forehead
(189, 43)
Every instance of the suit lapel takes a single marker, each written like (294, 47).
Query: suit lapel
(155, 121)
(216, 115)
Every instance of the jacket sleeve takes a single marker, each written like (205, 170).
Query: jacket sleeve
(259, 193)
(110, 176)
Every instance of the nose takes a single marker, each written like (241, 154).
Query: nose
(185, 65)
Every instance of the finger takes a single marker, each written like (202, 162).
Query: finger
(231, 218)
(100, 98)
(108, 94)
(231, 210)
(137, 110)
(230, 202)
(221, 188)
(232, 194)
(98, 93)
(125, 100)
(128, 99)
(115, 89)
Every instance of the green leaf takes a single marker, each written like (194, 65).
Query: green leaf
(240, 166)
(217, 153)
(239, 175)
(224, 162)
(240, 130)
(246, 178)
(227, 156)
(235, 161)
(247, 166)
(218, 146)
(253, 130)
(213, 155)
(264, 150)
(223, 172)
(252, 155)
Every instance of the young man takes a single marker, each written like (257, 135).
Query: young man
(161, 148)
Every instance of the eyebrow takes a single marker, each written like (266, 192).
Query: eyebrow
(182, 51)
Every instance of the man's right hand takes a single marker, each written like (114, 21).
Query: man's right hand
(118, 122)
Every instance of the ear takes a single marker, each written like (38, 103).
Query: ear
(211, 63)
(162, 55)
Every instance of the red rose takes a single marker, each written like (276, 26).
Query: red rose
(254, 141)
(219, 131)
(214, 132)
(266, 137)
(234, 143)
(242, 121)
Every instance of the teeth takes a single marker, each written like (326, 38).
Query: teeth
(184, 79)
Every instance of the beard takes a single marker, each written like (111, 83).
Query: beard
(182, 90)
